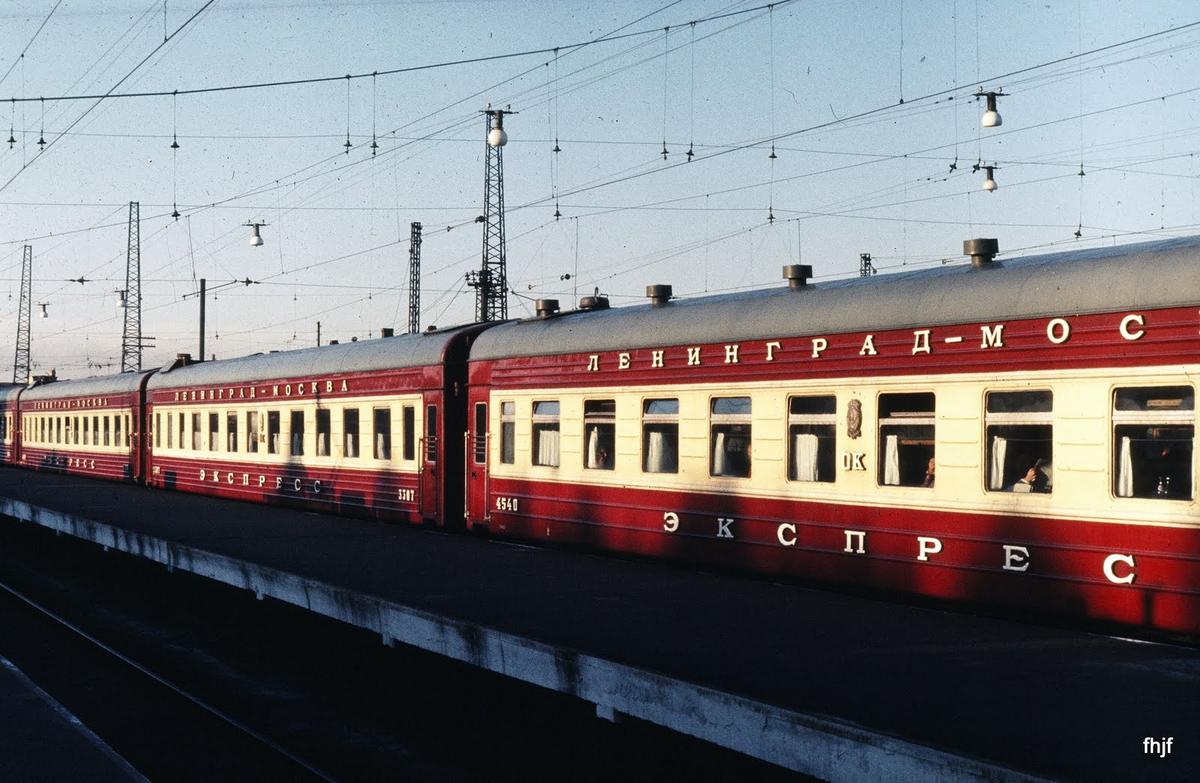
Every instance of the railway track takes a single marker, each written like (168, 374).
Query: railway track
(187, 680)
(159, 726)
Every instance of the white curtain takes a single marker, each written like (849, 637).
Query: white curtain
(548, 447)
(381, 451)
(660, 453)
(891, 463)
(804, 456)
(719, 454)
(999, 451)
(593, 447)
(322, 445)
(1124, 471)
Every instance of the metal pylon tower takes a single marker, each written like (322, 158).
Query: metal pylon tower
(21, 367)
(414, 279)
(865, 267)
(131, 342)
(491, 281)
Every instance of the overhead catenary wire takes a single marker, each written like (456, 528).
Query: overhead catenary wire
(281, 186)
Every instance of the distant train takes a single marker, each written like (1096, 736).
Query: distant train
(1015, 433)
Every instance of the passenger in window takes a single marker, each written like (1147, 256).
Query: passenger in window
(1034, 480)
(929, 475)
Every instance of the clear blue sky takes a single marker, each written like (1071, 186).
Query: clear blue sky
(856, 170)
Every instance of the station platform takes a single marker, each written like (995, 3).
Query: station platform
(41, 740)
(832, 685)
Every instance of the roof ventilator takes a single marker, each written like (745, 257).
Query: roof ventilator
(42, 380)
(982, 251)
(797, 275)
(387, 331)
(180, 360)
(596, 302)
(658, 294)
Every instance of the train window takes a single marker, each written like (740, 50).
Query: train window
(660, 436)
(600, 434)
(431, 433)
(508, 432)
(252, 432)
(117, 431)
(107, 431)
(729, 423)
(350, 432)
(408, 416)
(214, 432)
(906, 438)
(1153, 432)
(197, 433)
(1020, 441)
(297, 433)
(58, 429)
(812, 438)
(382, 418)
(273, 427)
(128, 433)
(480, 433)
(231, 427)
(324, 431)
(75, 432)
(545, 433)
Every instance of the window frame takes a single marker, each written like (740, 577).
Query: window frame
(665, 423)
(803, 423)
(1018, 419)
(547, 420)
(1152, 417)
(912, 418)
(601, 416)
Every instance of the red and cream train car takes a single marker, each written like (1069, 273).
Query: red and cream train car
(371, 428)
(89, 427)
(9, 422)
(1016, 433)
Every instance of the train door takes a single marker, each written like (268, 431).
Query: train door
(477, 467)
(431, 453)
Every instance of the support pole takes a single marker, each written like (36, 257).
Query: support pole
(203, 283)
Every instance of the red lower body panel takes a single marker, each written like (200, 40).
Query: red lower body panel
(362, 493)
(1138, 575)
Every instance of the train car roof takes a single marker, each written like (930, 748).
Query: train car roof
(96, 386)
(386, 353)
(10, 391)
(1131, 277)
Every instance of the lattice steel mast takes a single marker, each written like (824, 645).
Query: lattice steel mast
(414, 279)
(491, 281)
(21, 367)
(131, 341)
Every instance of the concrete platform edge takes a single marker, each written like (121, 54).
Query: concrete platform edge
(815, 745)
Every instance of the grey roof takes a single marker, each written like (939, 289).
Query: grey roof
(9, 391)
(409, 350)
(97, 386)
(1130, 277)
